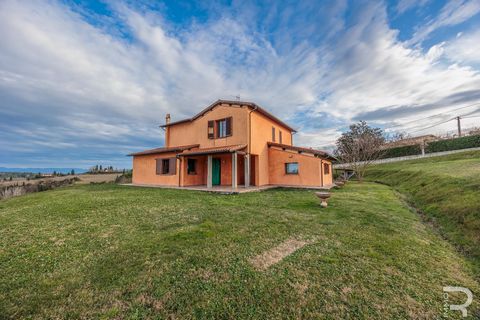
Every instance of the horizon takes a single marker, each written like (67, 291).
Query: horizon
(87, 82)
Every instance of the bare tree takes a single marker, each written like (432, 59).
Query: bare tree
(398, 135)
(359, 147)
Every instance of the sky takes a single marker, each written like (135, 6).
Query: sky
(87, 82)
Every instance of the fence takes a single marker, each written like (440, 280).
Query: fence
(419, 156)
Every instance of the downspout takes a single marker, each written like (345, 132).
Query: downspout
(250, 128)
(321, 171)
(179, 170)
(249, 148)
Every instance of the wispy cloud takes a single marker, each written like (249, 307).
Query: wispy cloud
(453, 13)
(74, 90)
(405, 5)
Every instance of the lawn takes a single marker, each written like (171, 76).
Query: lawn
(447, 190)
(106, 251)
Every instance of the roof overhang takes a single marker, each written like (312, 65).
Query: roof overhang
(214, 150)
(251, 105)
(317, 153)
(164, 150)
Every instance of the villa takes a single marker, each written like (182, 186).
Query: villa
(231, 144)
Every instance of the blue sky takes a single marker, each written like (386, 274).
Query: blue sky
(86, 82)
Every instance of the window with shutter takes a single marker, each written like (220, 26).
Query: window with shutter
(165, 166)
(229, 126)
(173, 166)
(159, 166)
(211, 129)
(273, 134)
(280, 136)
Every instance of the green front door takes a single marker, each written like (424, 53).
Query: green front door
(215, 171)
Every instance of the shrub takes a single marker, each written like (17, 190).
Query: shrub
(454, 144)
(402, 151)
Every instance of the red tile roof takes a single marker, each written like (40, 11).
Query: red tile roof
(165, 150)
(225, 149)
(231, 102)
(302, 149)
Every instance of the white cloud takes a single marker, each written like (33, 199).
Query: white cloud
(453, 13)
(69, 83)
(405, 5)
(465, 48)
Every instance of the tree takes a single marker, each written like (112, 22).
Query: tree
(398, 136)
(72, 172)
(359, 147)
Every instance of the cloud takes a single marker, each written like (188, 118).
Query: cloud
(405, 5)
(453, 13)
(464, 48)
(75, 91)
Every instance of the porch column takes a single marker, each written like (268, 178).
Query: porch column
(209, 171)
(234, 170)
(247, 170)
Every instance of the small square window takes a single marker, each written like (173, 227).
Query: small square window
(192, 166)
(291, 168)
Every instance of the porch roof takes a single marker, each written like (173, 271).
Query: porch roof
(164, 150)
(315, 152)
(213, 150)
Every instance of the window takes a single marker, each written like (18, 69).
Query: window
(192, 166)
(326, 168)
(221, 129)
(291, 168)
(211, 129)
(166, 166)
(273, 134)
(280, 136)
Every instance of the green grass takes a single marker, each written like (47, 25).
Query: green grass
(447, 190)
(106, 251)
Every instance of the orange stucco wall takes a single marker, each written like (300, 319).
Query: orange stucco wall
(144, 170)
(200, 177)
(197, 131)
(268, 164)
(261, 128)
(309, 169)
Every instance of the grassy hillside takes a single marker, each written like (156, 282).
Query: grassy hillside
(447, 190)
(105, 251)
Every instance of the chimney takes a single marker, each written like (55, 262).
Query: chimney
(167, 118)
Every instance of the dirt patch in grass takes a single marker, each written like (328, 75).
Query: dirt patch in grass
(278, 253)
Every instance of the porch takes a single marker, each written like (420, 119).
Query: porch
(221, 168)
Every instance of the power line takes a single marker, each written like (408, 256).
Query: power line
(432, 116)
(433, 125)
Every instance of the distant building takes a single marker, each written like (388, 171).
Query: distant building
(420, 141)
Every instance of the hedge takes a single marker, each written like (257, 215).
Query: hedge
(453, 144)
(402, 151)
(436, 146)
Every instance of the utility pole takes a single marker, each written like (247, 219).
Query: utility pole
(459, 127)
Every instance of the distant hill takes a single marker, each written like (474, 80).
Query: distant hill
(43, 170)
